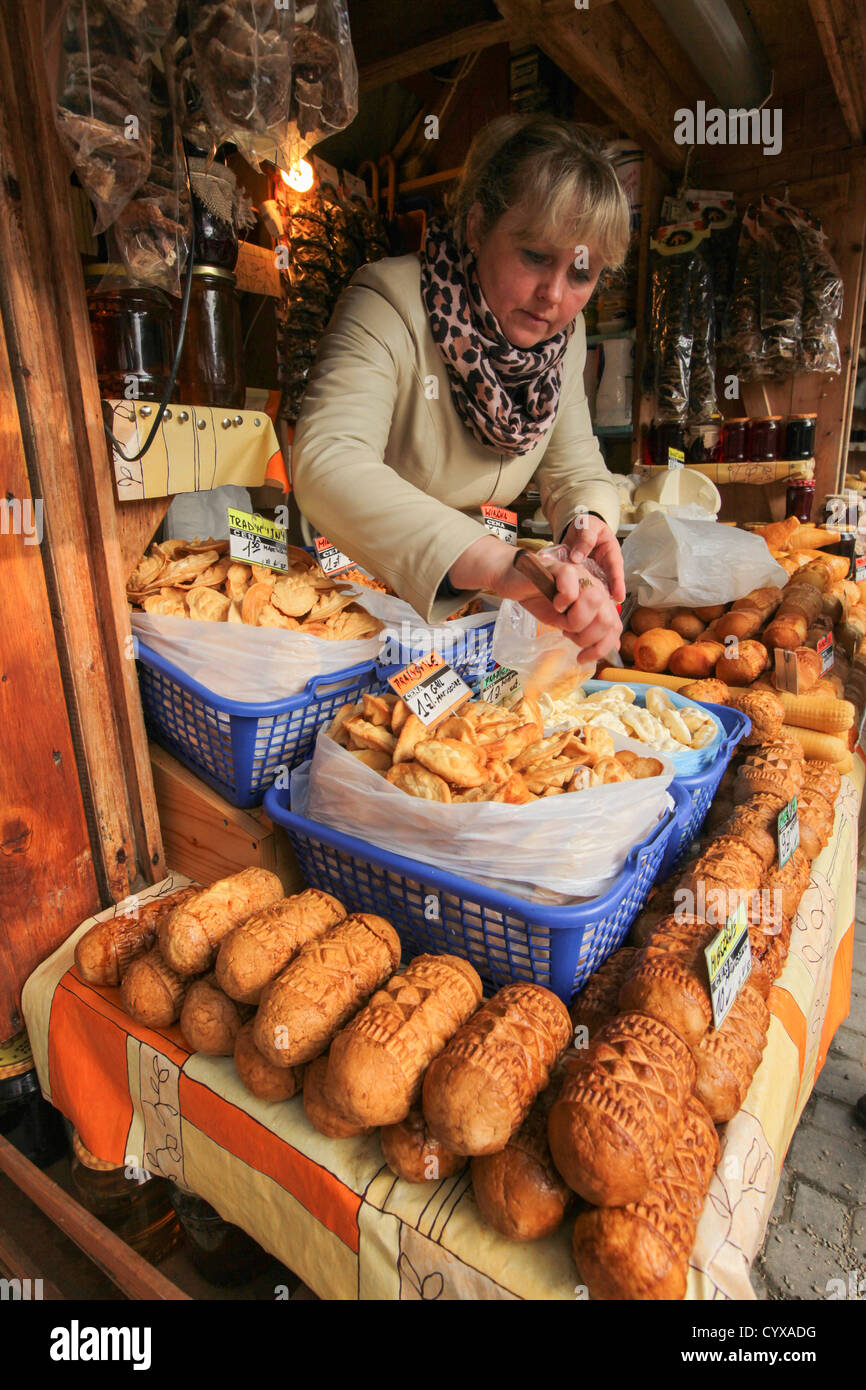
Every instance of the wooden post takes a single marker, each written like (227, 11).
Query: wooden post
(86, 553)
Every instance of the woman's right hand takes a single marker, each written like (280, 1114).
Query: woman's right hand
(585, 612)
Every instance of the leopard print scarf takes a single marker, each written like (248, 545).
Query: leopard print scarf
(506, 395)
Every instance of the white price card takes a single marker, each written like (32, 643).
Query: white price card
(498, 684)
(788, 831)
(430, 688)
(501, 522)
(676, 458)
(729, 962)
(825, 651)
(331, 560)
(257, 541)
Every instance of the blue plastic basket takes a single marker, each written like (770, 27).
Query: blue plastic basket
(701, 788)
(236, 747)
(469, 651)
(505, 938)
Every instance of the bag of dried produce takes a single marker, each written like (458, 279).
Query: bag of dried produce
(822, 295)
(742, 338)
(680, 362)
(102, 80)
(243, 68)
(781, 292)
(324, 73)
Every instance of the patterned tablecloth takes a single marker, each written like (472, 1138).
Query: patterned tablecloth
(334, 1213)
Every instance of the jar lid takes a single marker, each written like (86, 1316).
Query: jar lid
(765, 419)
(804, 417)
(216, 270)
(736, 420)
(101, 268)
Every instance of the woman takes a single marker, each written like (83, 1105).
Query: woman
(437, 392)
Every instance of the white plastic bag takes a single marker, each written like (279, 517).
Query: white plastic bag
(560, 848)
(406, 637)
(240, 662)
(695, 563)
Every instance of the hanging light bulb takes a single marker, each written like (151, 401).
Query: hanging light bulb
(299, 177)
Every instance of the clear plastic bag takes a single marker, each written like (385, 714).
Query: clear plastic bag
(823, 294)
(152, 233)
(325, 75)
(102, 105)
(742, 337)
(149, 22)
(406, 637)
(541, 656)
(253, 664)
(671, 562)
(560, 848)
(243, 67)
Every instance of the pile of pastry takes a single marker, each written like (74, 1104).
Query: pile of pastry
(483, 752)
(198, 579)
(661, 724)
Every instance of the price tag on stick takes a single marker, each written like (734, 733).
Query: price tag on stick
(331, 560)
(497, 684)
(501, 523)
(826, 653)
(430, 688)
(788, 831)
(257, 541)
(729, 962)
(787, 671)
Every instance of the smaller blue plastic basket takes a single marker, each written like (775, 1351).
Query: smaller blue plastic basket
(236, 747)
(701, 788)
(506, 938)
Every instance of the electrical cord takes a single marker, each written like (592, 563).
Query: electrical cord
(175, 366)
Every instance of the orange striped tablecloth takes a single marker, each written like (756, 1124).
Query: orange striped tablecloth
(334, 1213)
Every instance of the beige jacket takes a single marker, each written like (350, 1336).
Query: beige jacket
(383, 465)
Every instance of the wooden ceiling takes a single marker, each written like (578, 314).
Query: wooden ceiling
(620, 53)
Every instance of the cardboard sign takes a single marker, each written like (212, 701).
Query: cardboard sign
(676, 458)
(497, 684)
(501, 523)
(331, 560)
(355, 187)
(430, 688)
(787, 671)
(257, 541)
(824, 649)
(729, 963)
(325, 172)
(788, 831)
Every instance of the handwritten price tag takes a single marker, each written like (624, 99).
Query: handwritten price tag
(331, 560)
(859, 568)
(502, 523)
(257, 541)
(430, 688)
(729, 962)
(788, 831)
(498, 684)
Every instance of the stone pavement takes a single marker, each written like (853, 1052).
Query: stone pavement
(817, 1232)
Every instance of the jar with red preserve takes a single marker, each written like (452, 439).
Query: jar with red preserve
(734, 440)
(765, 438)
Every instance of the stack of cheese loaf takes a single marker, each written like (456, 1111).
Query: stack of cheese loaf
(735, 646)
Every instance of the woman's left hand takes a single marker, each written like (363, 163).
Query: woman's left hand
(590, 538)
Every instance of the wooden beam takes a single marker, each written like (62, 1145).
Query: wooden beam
(128, 1270)
(429, 55)
(842, 33)
(16, 1263)
(606, 56)
(685, 77)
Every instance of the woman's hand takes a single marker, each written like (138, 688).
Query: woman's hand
(584, 611)
(590, 538)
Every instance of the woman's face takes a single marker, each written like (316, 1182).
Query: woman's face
(533, 287)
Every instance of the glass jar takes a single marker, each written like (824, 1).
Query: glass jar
(213, 193)
(211, 365)
(667, 435)
(133, 335)
(800, 436)
(223, 1254)
(704, 441)
(735, 440)
(800, 498)
(137, 1207)
(26, 1120)
(765, 438)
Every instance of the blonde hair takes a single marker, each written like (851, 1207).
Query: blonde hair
(558, 171)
